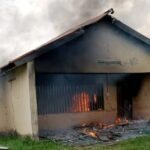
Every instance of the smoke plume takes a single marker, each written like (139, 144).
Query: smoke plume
(26, 24)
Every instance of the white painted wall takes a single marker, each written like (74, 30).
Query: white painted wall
(20, 101)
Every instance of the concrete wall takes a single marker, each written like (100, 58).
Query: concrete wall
(32, 99)
(141, 109)
(67, 120)
(4, 122)
(141, 103)
(103, 48)
(20, 101)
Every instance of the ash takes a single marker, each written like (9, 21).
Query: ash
(98, 133)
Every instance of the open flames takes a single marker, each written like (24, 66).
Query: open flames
(85, 102)
(121, 121)
(94, 133)
(81, 101)
(92, 129)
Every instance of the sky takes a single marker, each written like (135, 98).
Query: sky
(27, 24)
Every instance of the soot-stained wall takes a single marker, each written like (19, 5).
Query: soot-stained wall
(102, 48)
(56, 120)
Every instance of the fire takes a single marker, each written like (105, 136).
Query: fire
(92, 134)
(126, 120)
(95, 98)
(109, 126)
(81, 102)
(121, 121)
(118, 121)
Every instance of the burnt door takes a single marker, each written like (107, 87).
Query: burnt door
(124, 100)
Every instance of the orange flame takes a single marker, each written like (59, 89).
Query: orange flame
(121, 120)
(95, 98)
(92, 134)
(81, 102)
(118, 121)
(109, 126)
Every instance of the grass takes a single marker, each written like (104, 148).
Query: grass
(14, 143)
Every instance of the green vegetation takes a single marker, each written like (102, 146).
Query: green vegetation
(15, 143)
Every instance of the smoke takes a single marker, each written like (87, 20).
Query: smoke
(26, 24)
(135, 13)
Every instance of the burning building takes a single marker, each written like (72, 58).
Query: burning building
(95, 72)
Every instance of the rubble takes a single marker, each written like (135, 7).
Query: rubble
(99, 133)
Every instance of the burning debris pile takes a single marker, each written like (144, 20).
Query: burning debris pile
(99, 133)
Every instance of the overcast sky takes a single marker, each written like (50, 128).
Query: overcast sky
(26, 24)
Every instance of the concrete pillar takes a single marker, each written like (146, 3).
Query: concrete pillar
(21, 101)
(32, 97)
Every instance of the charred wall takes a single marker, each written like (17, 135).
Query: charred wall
(102, 48)
(67, 120)
(141, 102)
(51, 120)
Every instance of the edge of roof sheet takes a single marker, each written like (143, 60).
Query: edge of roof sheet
(68, 36)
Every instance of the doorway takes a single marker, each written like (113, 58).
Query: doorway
(127, 89)
(124, 98)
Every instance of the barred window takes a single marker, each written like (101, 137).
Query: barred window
(68, 96)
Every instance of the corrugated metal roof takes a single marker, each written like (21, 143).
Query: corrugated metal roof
(68, 36)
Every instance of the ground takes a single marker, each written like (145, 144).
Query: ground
(15, 143)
